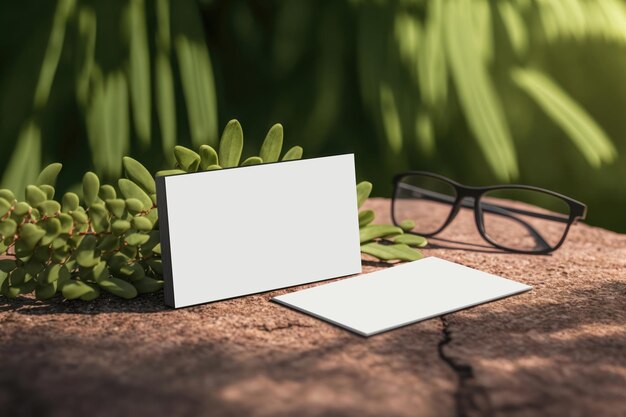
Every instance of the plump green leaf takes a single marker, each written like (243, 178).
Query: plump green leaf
(108, 243)
(7, 265)
(7, 228)
(85, 252)
(7, 195)
(49, 208)
(187, 159)
(391, 252)
(141, 223)
(21, 208)
(99, 217)
(137, 173)
(253, 160)
(363, 190)
(366, 217)
(92, 295)
(91, 186)
(107, 192)
(131, 190)
(136, 239)
(4, 206)
(213, 167)
(273, 144)
(69, 202)
(407, 225)
(96, 273)
(119, 227)
(117, 206)
(293, 153)
(49, 174)
(76, 289)
(48, 190)
(208, 157)
(231, 145)
(31, 234)
(169, 172)
(66, 222)
(147, 285)
(134, 205)
(118, 287)
(411, 240)
(375, 231)
(80, 217)
(34, 195)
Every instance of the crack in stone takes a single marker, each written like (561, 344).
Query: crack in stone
(470, 397)
(270, 329)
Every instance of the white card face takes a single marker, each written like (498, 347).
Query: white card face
(401, 295)
(232, 232)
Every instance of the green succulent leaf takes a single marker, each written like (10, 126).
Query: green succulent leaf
(366, 217)
(7, 195)
(107, 192)
(34, 195)
(119, 227)
(99, 217)
(376, 231)
(169, 172)
(91, 186)
(134, 205)
(5, 206)
(31, 234)
(407, 225)
(69, 202)
(85, 252)
(147, 285)
(293, 153)
(49, 174)
(391, 252)
(141, 223)
(7, 265)
(187, 159)
(138, 173)
(208, 157)
(231, 145)
(117, 206)
(49, 208)
(363, 190)
(253, 160)
(76, 289)
(48, 190)
(136, 239)
(131, 190)
(8, 227)
(273, 144)
(118, 287)
(411, 240)
(213, 167)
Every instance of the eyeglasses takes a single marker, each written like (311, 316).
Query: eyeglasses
(517, 218)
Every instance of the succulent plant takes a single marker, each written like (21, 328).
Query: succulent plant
(109, 239)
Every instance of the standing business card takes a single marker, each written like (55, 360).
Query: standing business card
(401, 295)
(237, 231)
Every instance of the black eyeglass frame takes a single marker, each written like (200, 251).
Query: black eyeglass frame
(578, 210)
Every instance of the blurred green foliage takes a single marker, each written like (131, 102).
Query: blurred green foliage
(482, 91)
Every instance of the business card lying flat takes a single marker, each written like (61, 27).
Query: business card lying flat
(394, 297)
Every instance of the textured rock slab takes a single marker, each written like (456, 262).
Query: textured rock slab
(558, 350)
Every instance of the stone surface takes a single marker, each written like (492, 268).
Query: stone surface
(557, 350)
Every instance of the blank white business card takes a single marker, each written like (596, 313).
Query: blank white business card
(237, 231)
(404, 294)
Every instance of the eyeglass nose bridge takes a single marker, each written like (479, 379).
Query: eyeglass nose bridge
(466, 198)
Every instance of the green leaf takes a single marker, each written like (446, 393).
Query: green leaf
(66, 222)
(131, 190)
(85, 252)
(407, 225)
(5, 206)
(23, 165)
(48, 175)
(107, 192)
(137, 173)
(118, 287)
(391, 252)
(293, 153)
(7, 265)
(7, 228)
(119, 227)
(134, 205)
(139, 74)
(231, 145)
(34, 195)
(49, 208)
(213, 167)
(69, 202)
(187, 159)
(375, 231)
(169, 172)
(7, 195)
(363, 190)
(80, 217)
(48, 190)
(147, 285)
(141, 223)
(117, 207)
(136, 239)
(208, 157)
(76, 289)
(92, 295)
(165, 101)
(586, 134)
(99, 217)
(273, 144)
(411, 240)
(91, 186)
(366, 217)
(31, 234)
(253, 160)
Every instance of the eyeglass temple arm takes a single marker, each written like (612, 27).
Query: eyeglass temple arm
(492, 208)
(485, 206)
